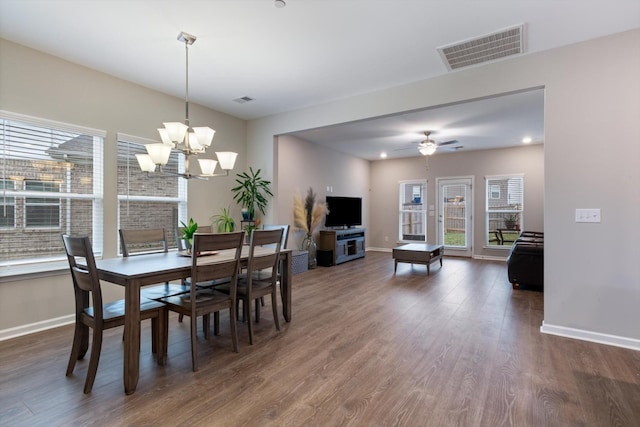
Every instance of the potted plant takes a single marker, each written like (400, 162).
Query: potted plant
(188, 230)
(248, 228)
(252, 192)
(224, 222)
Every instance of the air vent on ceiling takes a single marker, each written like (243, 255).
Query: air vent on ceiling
(487, 48)
(244, 100)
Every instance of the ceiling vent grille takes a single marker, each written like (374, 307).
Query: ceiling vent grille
(487, 48)
(244, 99)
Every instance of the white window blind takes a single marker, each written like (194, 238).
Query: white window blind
(156, 200)
(412, 212)
(50, 184)
(504, 205)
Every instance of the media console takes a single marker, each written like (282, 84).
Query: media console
(346, 244)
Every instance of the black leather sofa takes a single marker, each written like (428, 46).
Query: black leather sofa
(525, 263)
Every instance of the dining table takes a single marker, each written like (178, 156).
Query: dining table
(150, 269)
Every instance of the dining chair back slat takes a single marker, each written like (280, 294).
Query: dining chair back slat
(136, 241)
(183, 244)
(285, 233)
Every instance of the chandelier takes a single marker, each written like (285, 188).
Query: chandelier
(185, 139)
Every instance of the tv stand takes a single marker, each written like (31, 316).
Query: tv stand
(346, 244)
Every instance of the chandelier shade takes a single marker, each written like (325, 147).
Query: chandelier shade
(227, 159)
(159, 153)
(204, 135)
(185, 139)
(175, 131)
(207, 166)
(145, 162)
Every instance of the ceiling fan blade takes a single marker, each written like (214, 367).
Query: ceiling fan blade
(453, 141)
(456, 148)
(405, 148)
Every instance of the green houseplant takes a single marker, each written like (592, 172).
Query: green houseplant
(252, 192)
(224, 222)
(188, 230)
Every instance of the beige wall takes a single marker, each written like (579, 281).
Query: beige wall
(377, 183)
(385, 175)
(305, 165)
(44, 86)
(591, 160)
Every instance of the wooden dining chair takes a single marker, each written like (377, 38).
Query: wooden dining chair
(283, 245)
(100, 316)
(183, 245)
(261, 275)
(209, 264)
(145, 241)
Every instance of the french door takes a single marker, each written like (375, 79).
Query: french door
(455, 206)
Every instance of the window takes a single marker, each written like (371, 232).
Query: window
(412, 213)
(494, 191)
(504, 208)
(7, 205)
(50, 183)
(145, 200)
(41, 211)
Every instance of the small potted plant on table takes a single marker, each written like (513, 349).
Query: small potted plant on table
(188, 230)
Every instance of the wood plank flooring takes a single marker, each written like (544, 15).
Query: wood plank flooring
(365, 348)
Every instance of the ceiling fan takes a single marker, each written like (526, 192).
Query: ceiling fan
(428, 146)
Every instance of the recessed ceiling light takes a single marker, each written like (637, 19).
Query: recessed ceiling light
(526, 139)
(383, 155)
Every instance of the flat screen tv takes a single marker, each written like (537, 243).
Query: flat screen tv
(343, 211)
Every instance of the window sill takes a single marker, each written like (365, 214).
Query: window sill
(33, 271)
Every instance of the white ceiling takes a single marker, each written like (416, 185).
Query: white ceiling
(308, 53)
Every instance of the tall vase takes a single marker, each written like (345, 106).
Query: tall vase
(310, 246)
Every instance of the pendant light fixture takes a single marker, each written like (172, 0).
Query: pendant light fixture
(189, 141)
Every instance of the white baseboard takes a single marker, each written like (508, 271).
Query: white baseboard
(21, 330)
(379, 249)
(490, 258)
(597, 337)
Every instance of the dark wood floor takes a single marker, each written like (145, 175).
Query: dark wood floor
(365, 348)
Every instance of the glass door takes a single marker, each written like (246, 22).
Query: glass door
(455, 206)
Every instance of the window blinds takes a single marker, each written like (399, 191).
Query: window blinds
(157, 200)
(50, 184)
(504, 202)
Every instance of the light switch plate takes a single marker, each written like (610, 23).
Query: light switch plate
(587, 215)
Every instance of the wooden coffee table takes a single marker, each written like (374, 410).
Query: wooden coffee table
(418, 253)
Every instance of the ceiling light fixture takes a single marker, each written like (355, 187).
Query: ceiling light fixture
(428, 148)
(280, 4)
(526, 140)
(189, 141)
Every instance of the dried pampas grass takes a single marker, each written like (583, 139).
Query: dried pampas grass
(307, 214)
